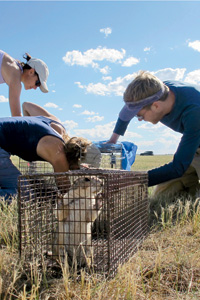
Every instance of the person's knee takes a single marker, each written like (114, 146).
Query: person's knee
(168, 188)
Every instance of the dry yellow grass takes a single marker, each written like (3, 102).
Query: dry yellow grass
(166, 266)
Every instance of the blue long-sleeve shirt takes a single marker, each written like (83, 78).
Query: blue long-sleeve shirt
(183, 118)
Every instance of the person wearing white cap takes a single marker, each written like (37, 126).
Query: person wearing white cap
(32, 74)
(176, 105)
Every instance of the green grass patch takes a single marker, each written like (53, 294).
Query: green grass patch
(144, 163)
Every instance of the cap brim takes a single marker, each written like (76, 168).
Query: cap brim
(43, 87)
(126, 114)
(92, 157)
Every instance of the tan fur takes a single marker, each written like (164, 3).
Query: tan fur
(75, 214)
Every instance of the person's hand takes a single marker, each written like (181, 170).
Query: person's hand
(84, 166)
(113, 139)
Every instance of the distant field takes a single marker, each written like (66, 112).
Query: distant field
(15, 160)
(144, 163)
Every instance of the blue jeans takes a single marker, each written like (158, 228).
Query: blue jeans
(8, 176)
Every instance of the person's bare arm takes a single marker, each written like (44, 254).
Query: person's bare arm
(14, 98)
(113, 139)
(32, 109)
(51, 149)
(12, 76)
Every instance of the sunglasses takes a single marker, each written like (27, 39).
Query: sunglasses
(37, 83)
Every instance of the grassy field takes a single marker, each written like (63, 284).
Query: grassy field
(166, 266)
(144, 163)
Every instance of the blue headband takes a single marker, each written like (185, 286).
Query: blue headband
(131, 109)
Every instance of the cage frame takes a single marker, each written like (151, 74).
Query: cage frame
(141, 180)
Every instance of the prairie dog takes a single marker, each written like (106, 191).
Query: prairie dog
(79, 209)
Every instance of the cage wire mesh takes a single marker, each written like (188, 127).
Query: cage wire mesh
(97, 218)
(111, 159)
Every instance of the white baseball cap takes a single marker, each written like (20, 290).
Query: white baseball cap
(92, 156)
(42, 70)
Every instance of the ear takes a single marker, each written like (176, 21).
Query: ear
(156, 106)
(31, 72)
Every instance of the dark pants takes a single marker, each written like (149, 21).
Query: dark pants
(8, 176)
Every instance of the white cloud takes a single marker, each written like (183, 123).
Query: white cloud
(130, 135)
(195, 45)
(105, 78)
(70, 124)
(147, 49)
(87, 112)
(92, 88)
(115, 87)
(170, 134)
(3, 98)
(97, 133)
(161, 130)
(193, 77)
(169, 73)
(106, 31)
(94, 119)
(53, 91)
(50, 104)
(105, 70)
(118, 86)
(77, 105)
(92, 56)
(130, 62)
(164, 144)
(149, 126)
(79, 84)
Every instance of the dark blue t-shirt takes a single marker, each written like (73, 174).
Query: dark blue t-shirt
(20, 135)
(183, 118)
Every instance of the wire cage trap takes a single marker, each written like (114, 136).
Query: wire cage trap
(34, 167)
(112, 157)
(97, 218)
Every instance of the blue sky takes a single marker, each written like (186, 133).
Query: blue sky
(93, 50)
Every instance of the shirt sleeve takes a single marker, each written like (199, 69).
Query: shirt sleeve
(184, 155)
(121, 127)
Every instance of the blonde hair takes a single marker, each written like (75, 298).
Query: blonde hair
(144, 85)
(75, 149)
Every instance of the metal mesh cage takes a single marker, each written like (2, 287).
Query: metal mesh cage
(34, 167)
(96, 217)
(111, 159)
(111, 156)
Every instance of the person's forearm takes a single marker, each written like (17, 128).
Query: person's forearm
(114, 138)
(14, 97)
(32, 109)
(15, 106)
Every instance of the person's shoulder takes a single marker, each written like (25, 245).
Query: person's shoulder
(174, 83)
(181, 84)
